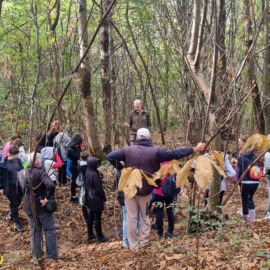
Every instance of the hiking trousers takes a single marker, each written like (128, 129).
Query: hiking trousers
(139, 237)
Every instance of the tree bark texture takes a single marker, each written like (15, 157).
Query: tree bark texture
(84, 75)
(106, 78)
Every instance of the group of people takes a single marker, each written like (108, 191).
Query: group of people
(60, 156)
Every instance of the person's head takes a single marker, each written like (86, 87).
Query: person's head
(143, 133)
(241, 141)
(17, 142)
(68, 129)
(84, 156)
(13, 150)
(93, 163)
(137, 105)
(56, 126)
(36, 162)
(15, 136)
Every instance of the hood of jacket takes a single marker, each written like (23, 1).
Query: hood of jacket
(77, 139)
(250, 156)
(46, 153)
(92, 163)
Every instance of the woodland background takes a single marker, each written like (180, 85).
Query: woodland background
(200, 67)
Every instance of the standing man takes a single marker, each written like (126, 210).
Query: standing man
(143, 155)
(44, 189)
(138, 118)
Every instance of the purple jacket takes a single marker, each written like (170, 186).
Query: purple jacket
(153, 161)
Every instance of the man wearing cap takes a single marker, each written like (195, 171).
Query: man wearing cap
(138, 118)
(143, 155)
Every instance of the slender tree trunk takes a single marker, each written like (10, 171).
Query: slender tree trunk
(85, 84)
(56, 57)
(106, 78)
(266, 68)
(257, 106)
(115, 119)
(206, 88)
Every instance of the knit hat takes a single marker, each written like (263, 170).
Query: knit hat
(143, 133)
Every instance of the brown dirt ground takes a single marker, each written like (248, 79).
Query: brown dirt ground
(231, 246)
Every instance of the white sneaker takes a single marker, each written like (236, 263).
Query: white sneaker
(240, 212)
(267, 216)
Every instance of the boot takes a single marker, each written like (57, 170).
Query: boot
(247, 221)
(102, 239)
(252, 215)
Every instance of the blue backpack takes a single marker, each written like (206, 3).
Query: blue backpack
(169, 188)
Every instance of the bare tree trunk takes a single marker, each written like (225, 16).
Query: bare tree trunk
(257, 106)
(266, 68)
(85, 84)
(105, 78)
(56, 57)
(208, 90)
(115, 127)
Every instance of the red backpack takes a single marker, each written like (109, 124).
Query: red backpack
(255, 173)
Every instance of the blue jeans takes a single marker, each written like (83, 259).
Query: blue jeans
(268, 182)
(125, 238)
(45, 222)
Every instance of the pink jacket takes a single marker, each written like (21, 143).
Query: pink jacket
(158, 191)
(5, 149)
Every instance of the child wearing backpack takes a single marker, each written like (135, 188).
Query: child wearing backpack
(51, 162)
(161, 200)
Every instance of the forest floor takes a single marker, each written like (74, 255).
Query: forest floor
(230, 246)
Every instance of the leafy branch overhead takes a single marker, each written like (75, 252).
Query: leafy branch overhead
(131, 178)
(257, 143)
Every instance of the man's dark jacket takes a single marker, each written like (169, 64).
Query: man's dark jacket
(43, 187)
(143, 155)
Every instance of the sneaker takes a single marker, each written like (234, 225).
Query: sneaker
(144, 245)
(160, 237)
(19, 226)
(240, 212)
(9, 217)
(91, 237)
(120, 233)
(102, 239)
(267, 216)
(74, 200)
(125, 245)
(170, 235)
(35, 260)
(247, 221)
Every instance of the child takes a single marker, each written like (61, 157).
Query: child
(95, 199)
(51, 162)
(8, 184)
(83, 168)
(160, 200)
